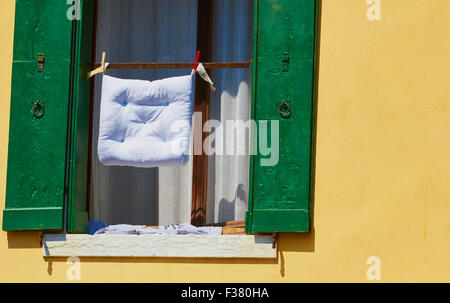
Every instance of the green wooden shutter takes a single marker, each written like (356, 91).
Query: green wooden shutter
(37, 176)
(283, 70)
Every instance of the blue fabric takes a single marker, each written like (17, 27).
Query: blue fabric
(93, 226)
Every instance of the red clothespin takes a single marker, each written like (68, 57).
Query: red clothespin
(196, 60)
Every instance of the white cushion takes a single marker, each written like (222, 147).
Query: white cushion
(144, 123)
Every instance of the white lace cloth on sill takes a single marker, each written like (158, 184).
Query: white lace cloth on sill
(173, 229)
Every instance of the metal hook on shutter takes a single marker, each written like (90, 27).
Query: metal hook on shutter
(38, 109)
(284, 109)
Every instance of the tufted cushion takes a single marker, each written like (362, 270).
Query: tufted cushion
(145, 124)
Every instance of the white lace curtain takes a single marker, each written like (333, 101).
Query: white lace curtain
(166, 31)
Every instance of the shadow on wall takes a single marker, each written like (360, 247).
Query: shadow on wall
(23, 239)
(294, 242)
(297, 242)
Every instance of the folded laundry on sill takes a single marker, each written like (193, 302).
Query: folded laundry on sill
(93, 226)
(173, 229)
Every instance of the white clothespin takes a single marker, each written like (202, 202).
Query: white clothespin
(204, 75)
(100, 69)
(200, 69)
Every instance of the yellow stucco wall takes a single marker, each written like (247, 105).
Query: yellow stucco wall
(382, 165)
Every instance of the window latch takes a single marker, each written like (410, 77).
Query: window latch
(285, 62)
(41, 60)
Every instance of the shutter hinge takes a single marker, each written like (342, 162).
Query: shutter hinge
(274, 240)
(248, 222)
(41, 60)
(41, 238)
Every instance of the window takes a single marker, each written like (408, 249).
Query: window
(48, 160)
(160, 33)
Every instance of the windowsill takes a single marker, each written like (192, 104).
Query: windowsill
(174, 246)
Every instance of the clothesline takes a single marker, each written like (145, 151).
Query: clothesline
(207, 65)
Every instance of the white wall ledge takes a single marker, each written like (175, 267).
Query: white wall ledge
(176, 246)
